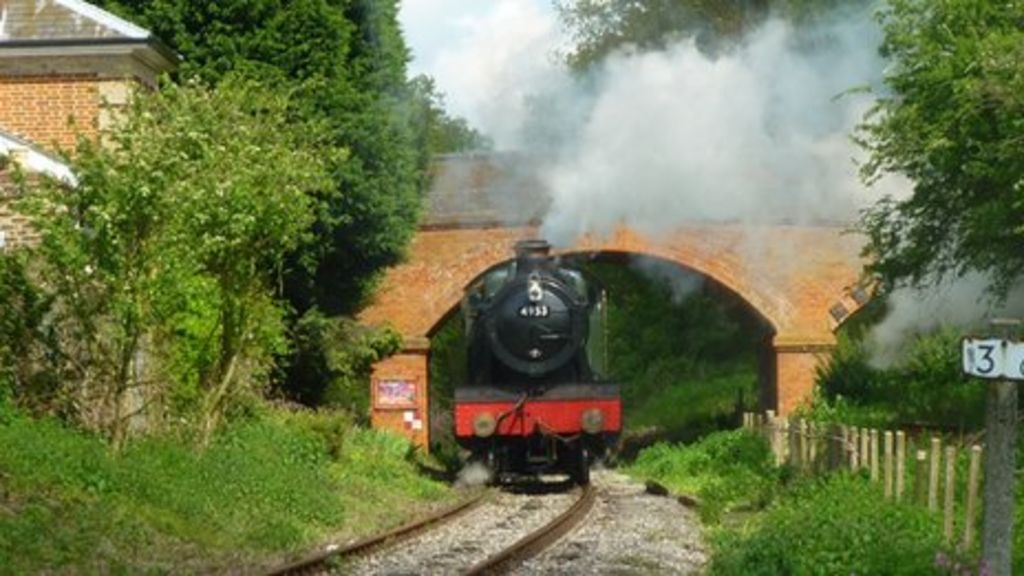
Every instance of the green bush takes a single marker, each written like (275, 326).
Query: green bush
(724, 470)
(927, 387)
(691, 407)
(839, 525)
(331, 361)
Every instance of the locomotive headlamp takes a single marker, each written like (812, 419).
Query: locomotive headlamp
(533, 290)
(484, 424)
(592, 421)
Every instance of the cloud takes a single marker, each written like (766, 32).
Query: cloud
(492, 60)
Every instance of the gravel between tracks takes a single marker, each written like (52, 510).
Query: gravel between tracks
(454, 547)
(628, 532)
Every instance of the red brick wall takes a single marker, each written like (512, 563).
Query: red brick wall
(409, 366)
(14, 226)
(795, 372)
(50, 110)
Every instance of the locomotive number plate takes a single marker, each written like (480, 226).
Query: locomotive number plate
(534, 311)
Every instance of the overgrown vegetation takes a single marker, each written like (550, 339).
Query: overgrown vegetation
(838, 525)
(926, 388)
(724, 471)
(684, 350)
(763, 519)
(345, 61)
(268, 484)
(150, 295)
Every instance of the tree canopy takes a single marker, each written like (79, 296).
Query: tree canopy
(600, 27)
(953, 123)
(151, 291)
(347, 60)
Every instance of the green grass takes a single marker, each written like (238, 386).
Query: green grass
(762, 519)
(838, 525)
(725, 470)
(265, 487)
(680, 407)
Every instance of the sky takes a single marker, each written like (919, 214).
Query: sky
(483, 54)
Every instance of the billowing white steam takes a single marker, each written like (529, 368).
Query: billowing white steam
(474, 474)
(963, 303)
(681, 283)
(759, 134)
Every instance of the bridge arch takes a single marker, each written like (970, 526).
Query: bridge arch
(800, 280)
(757, 302)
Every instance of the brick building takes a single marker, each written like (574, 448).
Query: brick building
(66, 66)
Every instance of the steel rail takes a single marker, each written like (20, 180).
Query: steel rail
(322, 561)
(537, 541)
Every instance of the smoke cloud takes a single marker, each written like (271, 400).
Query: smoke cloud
(964, 303)
(473, 474)
(759, 134)
(682, 284)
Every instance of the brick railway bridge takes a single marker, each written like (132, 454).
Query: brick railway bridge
(802, 280)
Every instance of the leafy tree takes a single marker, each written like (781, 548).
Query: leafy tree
(952, 123)
(345, 60)
(160, 267)
(334, 357)
(440, 132)
(600, 27)
(348, 60)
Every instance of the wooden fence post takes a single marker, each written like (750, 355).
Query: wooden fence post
(772, 430)
(874, 455)
(901, 460)
(920, 478)
(947, 509)
(814, 432)
(853, 447)
(970, 515)
(865, 441)
(933, 474)
(888, 464)
(805, 444)
(792, 443)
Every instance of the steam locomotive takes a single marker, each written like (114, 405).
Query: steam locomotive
(534, 400)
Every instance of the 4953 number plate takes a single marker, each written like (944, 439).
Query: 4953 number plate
(535, 311)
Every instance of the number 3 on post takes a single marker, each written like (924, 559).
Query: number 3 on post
(987, 358)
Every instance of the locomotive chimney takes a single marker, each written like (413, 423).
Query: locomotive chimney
(532, 249)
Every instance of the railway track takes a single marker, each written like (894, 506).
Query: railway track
(538, 540)
(487, 539)
(324, 562)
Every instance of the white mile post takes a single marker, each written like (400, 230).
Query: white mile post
(1001, 360)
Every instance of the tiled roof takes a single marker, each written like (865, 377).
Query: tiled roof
(62, 20)
(481, 189)
(33, 159)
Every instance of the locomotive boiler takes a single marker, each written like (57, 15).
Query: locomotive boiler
(535, 400)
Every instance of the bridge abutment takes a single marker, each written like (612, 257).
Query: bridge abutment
(796, 362)
(400, 392)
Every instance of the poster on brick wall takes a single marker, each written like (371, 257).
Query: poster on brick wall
(394, 394)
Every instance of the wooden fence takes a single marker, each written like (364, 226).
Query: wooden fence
(814, 447)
